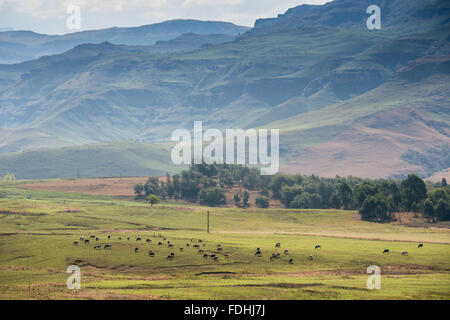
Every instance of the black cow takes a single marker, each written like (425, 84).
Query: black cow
(98, 247)
(386, 251)
(420, 245)
(138, 239)
(317, 247)
(277, 245)
(107, 246)
(291, 261)
(86, 241)
(136, 250)
(75, 243)
(151, 253)
(404, 253)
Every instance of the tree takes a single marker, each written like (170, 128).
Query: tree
(9, 176)
(442, 210)
(138, 190)
(413, 189)
(374, 208)
(335, 201)
(428, 210)
(245, 197)
(212, 196)
(444, 182)
(307, 200)
(153, 199)
(345, 192)
(237, 200)
(262, 202)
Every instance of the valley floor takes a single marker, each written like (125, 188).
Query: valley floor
(37, 235)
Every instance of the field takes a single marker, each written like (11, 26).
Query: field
(37, 235)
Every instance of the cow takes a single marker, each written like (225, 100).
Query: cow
(215, 258)
(98, 247)
(286, 251)
(258, 252)
(310, 257)
(160, 243)
(136, 250)
(92, 237)
(107, 246)
(170, 245)
(151, 253)
(75, 243)
(386, 251)
(205, 256)
(277, 245)
(404, 253)
(148, 240)
(109, 237)
(120, 238)
(138, 239)
(128, 238)
(420, 245)
(96, 239)
(219, 249)
(317, 247)
(181, 249)
(187, 244)
(170, 257)
(86, 241)
(291, 261)
(201, 251)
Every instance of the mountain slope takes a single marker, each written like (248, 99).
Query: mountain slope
(401, 126)
(334, 90)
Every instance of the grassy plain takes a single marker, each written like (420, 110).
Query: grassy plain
(37, 235)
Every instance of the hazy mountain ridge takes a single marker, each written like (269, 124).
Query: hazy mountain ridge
(333, 90)
(19, 46)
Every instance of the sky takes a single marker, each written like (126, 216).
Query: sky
(50, 16)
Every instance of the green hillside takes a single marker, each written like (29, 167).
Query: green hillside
(99, 160)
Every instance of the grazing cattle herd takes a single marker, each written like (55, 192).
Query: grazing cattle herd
(214, 255)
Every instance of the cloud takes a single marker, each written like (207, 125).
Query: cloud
(48, 16)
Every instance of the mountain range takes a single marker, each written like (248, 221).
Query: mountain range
(347, 100)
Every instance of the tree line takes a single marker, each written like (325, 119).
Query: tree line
(376, 200)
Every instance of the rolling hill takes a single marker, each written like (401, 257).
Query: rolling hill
(348, 100)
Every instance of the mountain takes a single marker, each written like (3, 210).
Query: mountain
(18, 46)
(347, 100)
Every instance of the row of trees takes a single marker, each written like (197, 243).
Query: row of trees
(376, 200)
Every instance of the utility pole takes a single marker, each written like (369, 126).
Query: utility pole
(208, 221)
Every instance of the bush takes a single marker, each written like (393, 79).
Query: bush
(262, 202)
(212, 196)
